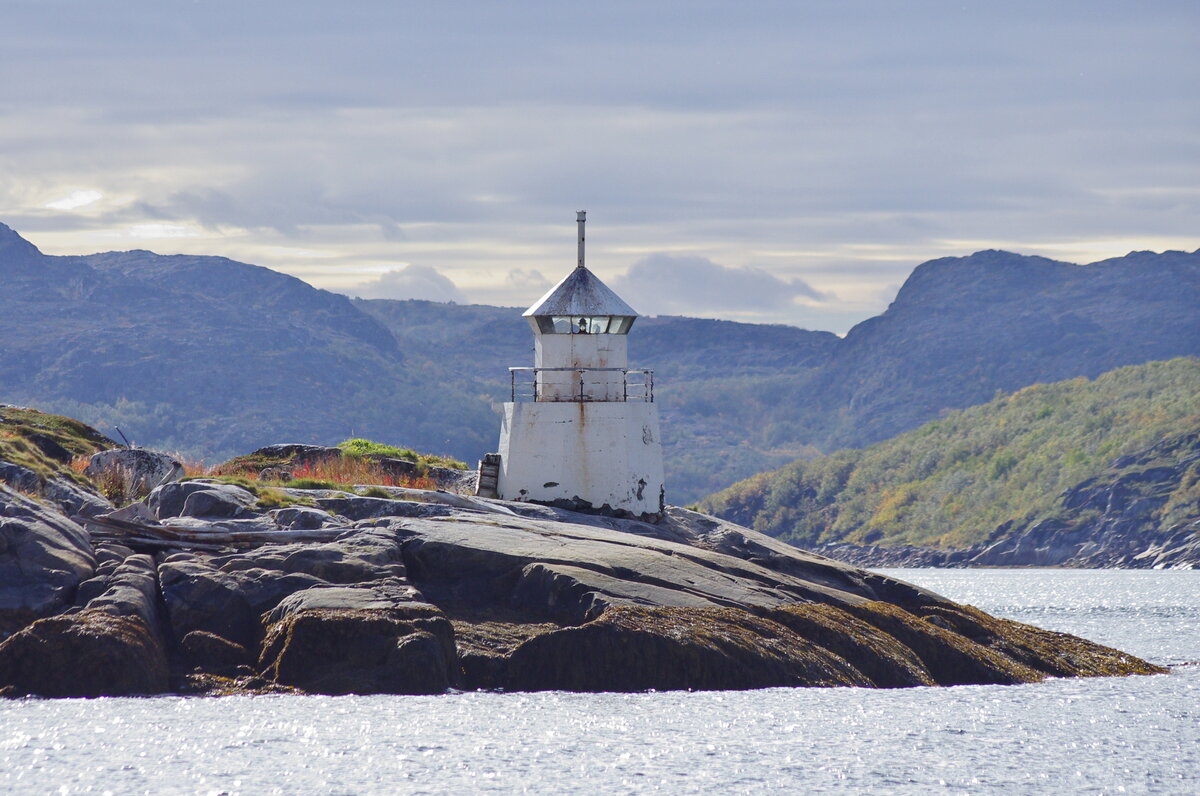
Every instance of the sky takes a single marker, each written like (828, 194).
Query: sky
(783, 162)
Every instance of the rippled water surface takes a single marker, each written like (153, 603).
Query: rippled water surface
(1134, 735)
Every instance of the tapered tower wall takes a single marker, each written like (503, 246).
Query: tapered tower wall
(605, 454)
(581, 427)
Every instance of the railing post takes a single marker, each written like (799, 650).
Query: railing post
(603, 381)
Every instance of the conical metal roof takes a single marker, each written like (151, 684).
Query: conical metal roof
(580, 293)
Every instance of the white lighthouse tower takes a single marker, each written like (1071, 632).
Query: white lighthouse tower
(581, 428)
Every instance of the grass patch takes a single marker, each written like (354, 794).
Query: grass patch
(248, 466)
(276, 499)
(52, 446)
(341, 473)
(367, 448)
(355, 461)
(69, 430)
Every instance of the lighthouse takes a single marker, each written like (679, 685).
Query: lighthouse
(581, 428)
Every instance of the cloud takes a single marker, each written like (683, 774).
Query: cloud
(665, 284)
(77, 199)
(830, 144)
(527, 279)
(410, 282)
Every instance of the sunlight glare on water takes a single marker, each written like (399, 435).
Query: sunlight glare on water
(1136, 735)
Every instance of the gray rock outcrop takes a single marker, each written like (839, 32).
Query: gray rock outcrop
(413, 597)
(134, 471)
(71, 498)
(201, 499)
(298, 454)
(108, 643)
(359, 640)
(43, 559)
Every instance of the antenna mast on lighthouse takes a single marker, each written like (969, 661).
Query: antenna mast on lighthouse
(581, 217)
(581, 428)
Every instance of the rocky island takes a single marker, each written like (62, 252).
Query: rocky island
(206, 586)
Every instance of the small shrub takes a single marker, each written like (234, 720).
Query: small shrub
(116, 484)
(1002, 463)
(309, 483)
(194, 467)
(375, 492)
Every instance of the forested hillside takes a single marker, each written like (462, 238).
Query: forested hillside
(977, 474)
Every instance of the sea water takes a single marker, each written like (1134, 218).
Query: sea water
(1107, 735)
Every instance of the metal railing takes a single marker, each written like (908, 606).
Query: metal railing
(585, 385)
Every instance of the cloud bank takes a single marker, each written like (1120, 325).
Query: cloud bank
(410, 282)
(829, 145)
(666, 284)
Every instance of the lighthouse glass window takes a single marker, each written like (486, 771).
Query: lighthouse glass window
(584, 324)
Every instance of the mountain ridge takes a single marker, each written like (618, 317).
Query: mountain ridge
(182, 348)
(939, 350)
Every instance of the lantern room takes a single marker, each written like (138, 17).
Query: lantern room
(581, 428)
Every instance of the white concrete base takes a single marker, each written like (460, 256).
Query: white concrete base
(604, 453)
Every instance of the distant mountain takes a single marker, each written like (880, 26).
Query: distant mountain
(212, 357)
(183, 350)
(1084, 473)
(962, 328)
